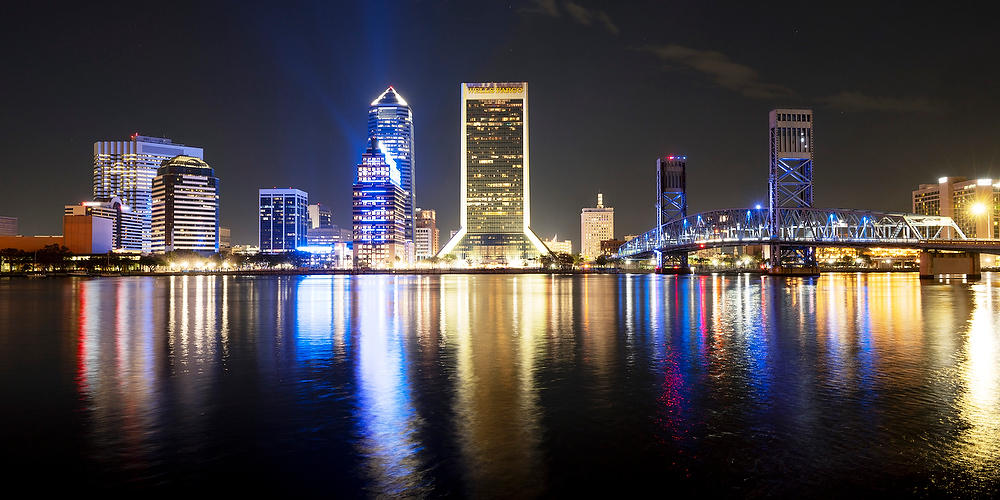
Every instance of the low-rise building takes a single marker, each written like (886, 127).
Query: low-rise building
(82, 235)
(126, 224)
(556, 246)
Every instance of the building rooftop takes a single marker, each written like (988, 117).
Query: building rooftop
(390, 98)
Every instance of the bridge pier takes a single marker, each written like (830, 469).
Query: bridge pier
(792, 261)
(672, 263)
(935, 263)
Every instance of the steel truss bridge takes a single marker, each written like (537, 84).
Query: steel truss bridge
(805, 227)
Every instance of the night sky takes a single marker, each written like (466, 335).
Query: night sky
(277, 95)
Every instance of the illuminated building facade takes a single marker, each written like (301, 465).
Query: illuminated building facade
(283, 219)
(185, 206)
(426, 236)
(597, 224)
(126, 225)
(390, 122)
(974, 204)
(556, 246)
(379, 212)
(126, 169)
(495, 203)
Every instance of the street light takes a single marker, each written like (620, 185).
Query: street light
(978, 208)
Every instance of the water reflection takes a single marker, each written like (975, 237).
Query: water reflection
(388, 422)
(496, 407)
(979, 441)
(524, 385)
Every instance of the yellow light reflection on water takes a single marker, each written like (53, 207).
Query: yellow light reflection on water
(979, 403)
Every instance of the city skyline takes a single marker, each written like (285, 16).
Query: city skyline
(287, 130)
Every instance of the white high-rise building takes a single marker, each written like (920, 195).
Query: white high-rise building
(185, 206)
(426, 234)
(596, 225)
(126, 169)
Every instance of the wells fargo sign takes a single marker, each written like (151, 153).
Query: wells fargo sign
(496, 88)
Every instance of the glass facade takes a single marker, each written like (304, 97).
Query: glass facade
(379, 211)
(126, 169)
(390, 122)
(284, 219)
(495, 202)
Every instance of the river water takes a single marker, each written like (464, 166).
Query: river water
(504, 385)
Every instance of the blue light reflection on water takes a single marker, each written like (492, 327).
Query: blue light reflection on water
(517, 385)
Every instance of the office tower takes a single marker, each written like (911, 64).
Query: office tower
(320, 216)
(390, 122)
(790, 179)
(495, 203)
(974, 204)
(379, 212)
(126, 169)
(597, 224)
(426, 235)
(126, 225)
(185, 206)
(8, 226)
(283, 218)
(556, 246)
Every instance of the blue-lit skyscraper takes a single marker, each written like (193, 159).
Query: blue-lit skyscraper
(379, 211)
(284, 218)
(390, 122)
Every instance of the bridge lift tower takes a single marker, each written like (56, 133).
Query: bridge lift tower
(790, 185)
(671, 204)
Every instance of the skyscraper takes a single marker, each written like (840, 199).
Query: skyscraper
(126, 225)
(283, 217)
(390, 122)
(495, 203)
(379, 211)
(790, 180)
(426, 235)
(596, 225)
(126, 169)
(185, 206)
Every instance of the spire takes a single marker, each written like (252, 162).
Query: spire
(389, 98)
(600, 200)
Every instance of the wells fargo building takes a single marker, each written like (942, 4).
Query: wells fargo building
(495, 211)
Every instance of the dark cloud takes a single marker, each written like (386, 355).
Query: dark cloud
(856, 101)
(542, 7)
(587, 16)
(723, 71)
(579, 14)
